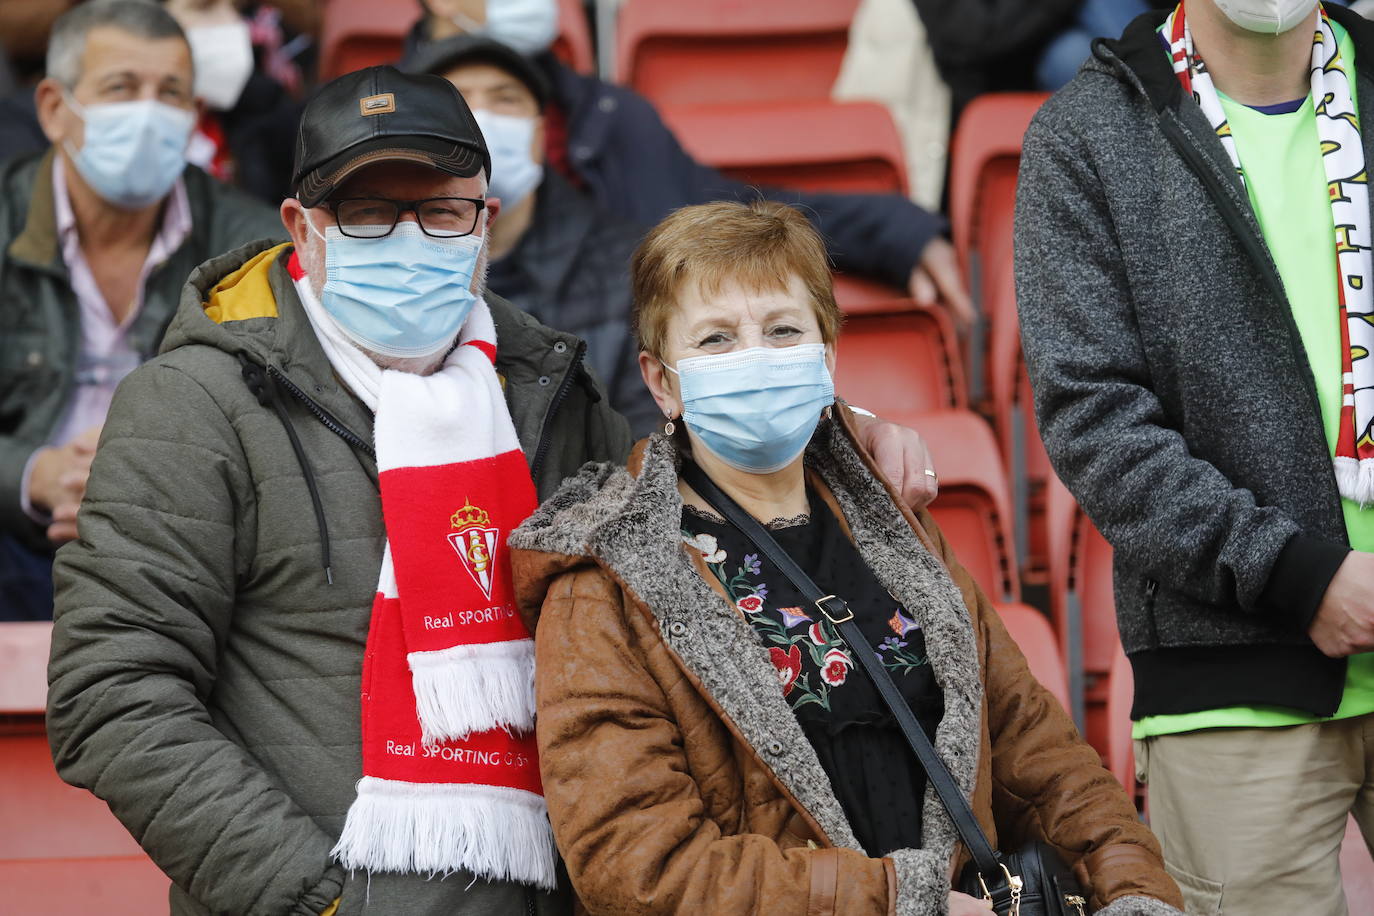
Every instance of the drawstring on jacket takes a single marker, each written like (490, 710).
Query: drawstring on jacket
(266, 393)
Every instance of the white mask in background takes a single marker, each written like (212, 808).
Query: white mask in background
(223, 57)
(528, 26)
(1272, 17)
(514, 173)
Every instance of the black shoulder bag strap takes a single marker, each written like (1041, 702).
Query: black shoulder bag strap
(998, 882)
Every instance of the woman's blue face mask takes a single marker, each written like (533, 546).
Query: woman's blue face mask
(756, 409)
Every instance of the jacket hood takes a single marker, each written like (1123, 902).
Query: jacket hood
(629, 523)
(231, 303)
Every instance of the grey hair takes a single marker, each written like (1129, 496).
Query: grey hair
(142, 18)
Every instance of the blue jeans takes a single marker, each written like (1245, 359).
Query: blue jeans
(1066, 52)
(25, 581)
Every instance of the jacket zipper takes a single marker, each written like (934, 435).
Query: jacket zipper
(1151, 590)
(559, 396)
(1253, 245)
(324, 416)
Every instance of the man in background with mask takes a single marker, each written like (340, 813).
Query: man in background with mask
(286, 651)
(248, 85)
(611, 142)
(97, 236)
(1194, 281)
(555, 253)
(250, 89)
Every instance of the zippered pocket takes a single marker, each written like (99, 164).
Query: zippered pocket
(1151, 593)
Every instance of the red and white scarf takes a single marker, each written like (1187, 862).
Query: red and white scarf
(450, 770)
(1338, 129)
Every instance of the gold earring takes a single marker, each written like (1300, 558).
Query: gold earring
(669, 428)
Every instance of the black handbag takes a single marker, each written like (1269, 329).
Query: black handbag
(1031, 881)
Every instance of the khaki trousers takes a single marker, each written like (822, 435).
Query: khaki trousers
(1251, 819)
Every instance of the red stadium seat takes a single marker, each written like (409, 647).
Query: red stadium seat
(573, 46)
(712, 51)
(362, 33)
(1036, 639)
(1065, 609)
(1120, 753)
(895, 358)
(1083, 608)
(973, 508)
(813, 144)
(61, 851)
(1013, 412)
(984, 157)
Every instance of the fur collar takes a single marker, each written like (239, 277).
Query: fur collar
(631, 526)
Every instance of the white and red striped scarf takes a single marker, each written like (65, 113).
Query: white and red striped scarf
(450, 770)
(1338, 129)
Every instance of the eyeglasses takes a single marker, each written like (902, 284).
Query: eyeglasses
(376, 217)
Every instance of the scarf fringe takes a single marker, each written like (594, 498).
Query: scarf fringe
(474, 688)
(434, 829)
(1355, 479)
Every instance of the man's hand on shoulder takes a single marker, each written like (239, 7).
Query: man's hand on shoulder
(1344, 623)
(901, 455)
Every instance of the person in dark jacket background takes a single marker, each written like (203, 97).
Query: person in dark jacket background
(990, 45)
(249, 77)
(250, 81)
(1193, 272)
(610, 141)
(555, 253)
(97, 235)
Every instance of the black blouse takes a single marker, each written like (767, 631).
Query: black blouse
(874, 772)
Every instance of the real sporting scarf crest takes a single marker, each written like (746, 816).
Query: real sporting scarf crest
(450, 768)
(1338, 129)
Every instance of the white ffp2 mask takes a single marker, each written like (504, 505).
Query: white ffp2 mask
(1271, 17)
(528, 26)
(223, 57)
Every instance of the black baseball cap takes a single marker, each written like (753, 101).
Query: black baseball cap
(439, 57)
(380, 114)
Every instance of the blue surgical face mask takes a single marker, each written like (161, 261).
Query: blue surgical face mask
(528, 26)
(404, 295)
(133, 151)
(514, 173)
(756, 409)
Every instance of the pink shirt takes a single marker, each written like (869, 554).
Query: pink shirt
(104, 356)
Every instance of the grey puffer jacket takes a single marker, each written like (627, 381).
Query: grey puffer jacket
(205, 674)
(1172, 386)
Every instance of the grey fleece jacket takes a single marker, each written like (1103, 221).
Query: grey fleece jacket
(205, 673)
(1172, 387)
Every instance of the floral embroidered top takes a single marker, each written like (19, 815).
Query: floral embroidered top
(872, 769)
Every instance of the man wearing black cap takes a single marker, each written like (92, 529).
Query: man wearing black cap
(285, 649)
(555, 253)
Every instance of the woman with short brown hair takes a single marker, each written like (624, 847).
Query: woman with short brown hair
(707, 743)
